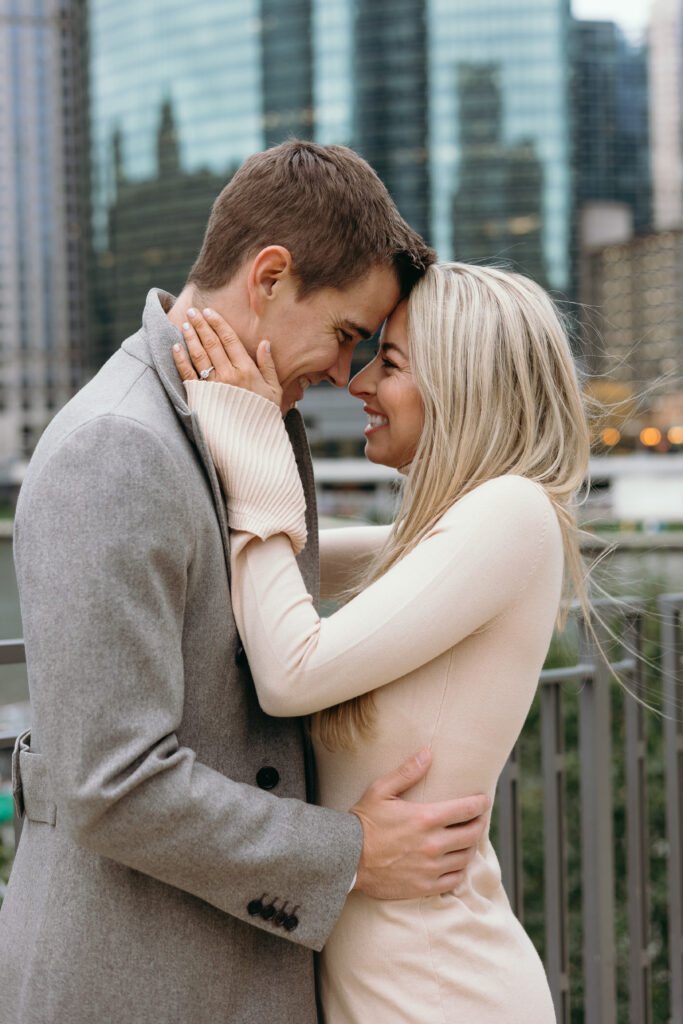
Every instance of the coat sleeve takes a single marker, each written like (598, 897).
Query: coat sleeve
(104, 542)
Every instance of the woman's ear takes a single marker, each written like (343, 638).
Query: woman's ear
(271, 270)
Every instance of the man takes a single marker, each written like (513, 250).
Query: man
(169, 867)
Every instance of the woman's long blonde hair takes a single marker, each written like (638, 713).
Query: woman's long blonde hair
(493, 365)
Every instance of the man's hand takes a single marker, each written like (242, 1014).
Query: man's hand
(413, 849)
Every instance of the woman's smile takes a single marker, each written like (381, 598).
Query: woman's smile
(375, 421)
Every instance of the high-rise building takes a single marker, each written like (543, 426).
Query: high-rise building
(500, 133)
(154, 231)
(287, 70)
(391, 100)
(463, 107)
(637, 289)
(498, 206)
(666, 127)
(43, 210)
(611, 119)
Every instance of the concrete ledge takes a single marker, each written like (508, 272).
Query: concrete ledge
(667, 540)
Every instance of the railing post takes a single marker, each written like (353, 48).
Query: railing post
(671, 609)
(509, 845)
(555, 852)
(597, 835)
(637, 845)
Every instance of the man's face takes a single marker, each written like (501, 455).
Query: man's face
(313, 339)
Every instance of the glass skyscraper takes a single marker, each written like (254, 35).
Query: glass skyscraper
(610, 86)
(462, 106)
(43, 212)
(500, 133)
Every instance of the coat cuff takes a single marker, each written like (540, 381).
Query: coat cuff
(254, 459)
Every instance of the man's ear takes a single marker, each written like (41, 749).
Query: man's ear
(270, 270)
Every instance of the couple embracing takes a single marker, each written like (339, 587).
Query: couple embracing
(217, 782)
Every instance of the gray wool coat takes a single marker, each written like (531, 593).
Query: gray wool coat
(169, 868)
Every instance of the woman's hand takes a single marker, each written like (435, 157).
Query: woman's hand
(217, 354)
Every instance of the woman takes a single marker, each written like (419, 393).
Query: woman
(473, 395)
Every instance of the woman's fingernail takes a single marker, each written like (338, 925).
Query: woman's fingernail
(192, 313)
(268, 347)
(186, 327)
(177, 348)
(208, 313)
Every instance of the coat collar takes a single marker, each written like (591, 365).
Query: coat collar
(153, 345)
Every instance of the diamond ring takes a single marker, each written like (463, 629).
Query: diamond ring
(205, 373)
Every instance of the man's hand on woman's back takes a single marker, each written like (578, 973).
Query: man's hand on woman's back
(415, 849)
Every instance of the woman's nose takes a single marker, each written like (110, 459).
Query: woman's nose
(362, 383)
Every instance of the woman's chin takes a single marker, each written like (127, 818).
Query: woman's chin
(376, 457)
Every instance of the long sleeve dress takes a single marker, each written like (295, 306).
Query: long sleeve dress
(451, 641)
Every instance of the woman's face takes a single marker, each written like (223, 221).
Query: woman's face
(390, 396)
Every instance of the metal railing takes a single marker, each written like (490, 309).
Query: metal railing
(592, 679)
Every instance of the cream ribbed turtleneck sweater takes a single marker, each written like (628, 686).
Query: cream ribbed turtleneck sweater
(451, 640)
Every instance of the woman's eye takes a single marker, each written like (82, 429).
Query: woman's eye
(388, 364)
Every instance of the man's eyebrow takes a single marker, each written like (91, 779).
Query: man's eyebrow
(358, 329)
(386, 345)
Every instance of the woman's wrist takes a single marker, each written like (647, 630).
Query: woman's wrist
(252, 453)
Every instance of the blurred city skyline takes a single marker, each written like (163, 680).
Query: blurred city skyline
(631, 15)
(542, 134)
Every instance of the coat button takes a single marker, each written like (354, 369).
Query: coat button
(254, 907)
(240, 656)
(267, 912)
(280, 917)
(267, 777)
(291, 923)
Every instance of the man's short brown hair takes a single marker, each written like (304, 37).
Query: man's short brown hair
(324, 204)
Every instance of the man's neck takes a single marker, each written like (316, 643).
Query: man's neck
(190, 296)
(226, 302)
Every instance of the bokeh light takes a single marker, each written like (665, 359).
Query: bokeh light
(610, 436)
(650, 437)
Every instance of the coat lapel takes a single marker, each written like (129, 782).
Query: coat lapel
(153, 344)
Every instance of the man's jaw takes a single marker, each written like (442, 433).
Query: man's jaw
(294, 392)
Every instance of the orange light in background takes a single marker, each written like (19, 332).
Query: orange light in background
(650, 437)
(610, 436)
(675, 434)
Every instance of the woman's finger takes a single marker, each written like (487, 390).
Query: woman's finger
(264, 361)
(233, 347)
(211, 343)
(183, 364)
(198, 356)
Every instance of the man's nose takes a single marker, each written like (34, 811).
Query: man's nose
(339, 373)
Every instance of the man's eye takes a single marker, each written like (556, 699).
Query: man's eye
(345, 337)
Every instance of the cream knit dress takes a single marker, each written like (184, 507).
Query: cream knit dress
(452, 640)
